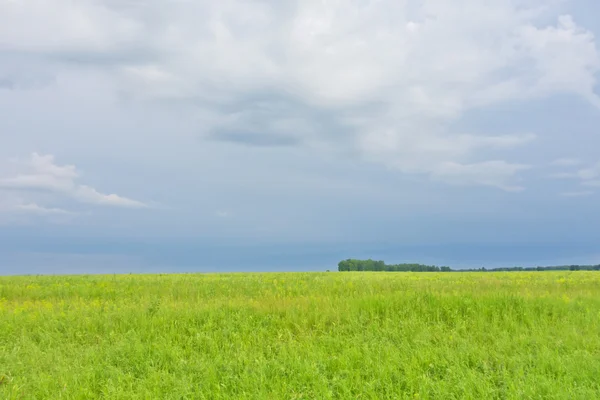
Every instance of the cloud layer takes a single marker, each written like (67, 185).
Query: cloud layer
(384, 81)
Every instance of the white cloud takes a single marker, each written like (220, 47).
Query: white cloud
(592, 172)
(35, 209)
(41, 173)
(390, 76)
(223, 214)
(90, 195)
(588, 176)
(17, 209)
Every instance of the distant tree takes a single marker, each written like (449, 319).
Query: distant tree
(344, 265)
(371, 265)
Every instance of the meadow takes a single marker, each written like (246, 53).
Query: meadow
(519, 335)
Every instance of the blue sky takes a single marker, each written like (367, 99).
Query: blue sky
(234, 135)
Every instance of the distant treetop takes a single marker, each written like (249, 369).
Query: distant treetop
(372, 265)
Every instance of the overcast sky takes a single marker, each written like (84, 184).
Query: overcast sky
(304, 129)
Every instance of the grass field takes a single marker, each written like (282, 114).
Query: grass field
(302, 336)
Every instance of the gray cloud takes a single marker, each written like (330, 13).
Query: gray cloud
(101, 59)
(389, 82)
(20, 71)
(6, 83)
(255, 138)
(272, 119)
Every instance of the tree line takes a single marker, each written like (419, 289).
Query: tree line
(372, 265)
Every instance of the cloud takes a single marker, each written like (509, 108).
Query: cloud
(255, 138)
(23, 71)
(223, 214)
(90, 195)
(408, 155)
(592, 183)
(588, 176)
(6, 83)
(577, 194)
(563, 175)
(589, 173)
(35, 209)
(488, 173)
(42, 174)
(18, 209)
(382, 80)
(566, 162)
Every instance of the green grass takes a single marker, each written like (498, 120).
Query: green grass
(301, 336)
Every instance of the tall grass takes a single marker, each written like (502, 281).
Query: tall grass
(301, 336)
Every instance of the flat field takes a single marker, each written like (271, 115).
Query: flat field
(516, 335)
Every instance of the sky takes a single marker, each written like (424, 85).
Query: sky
(179, 135)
